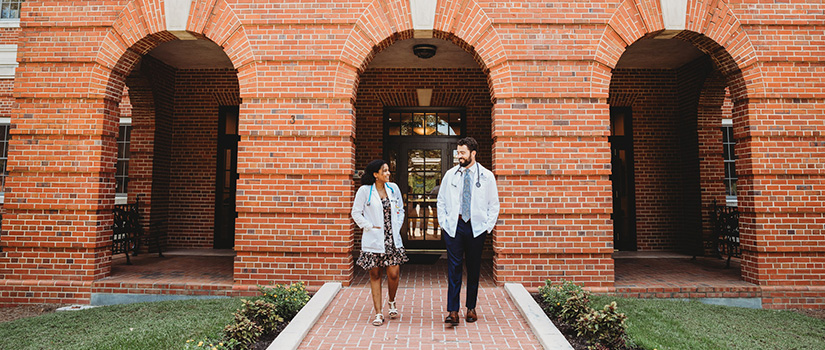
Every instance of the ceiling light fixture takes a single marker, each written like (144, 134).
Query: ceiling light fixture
(424, 50)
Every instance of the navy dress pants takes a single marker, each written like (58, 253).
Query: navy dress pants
(463, 246)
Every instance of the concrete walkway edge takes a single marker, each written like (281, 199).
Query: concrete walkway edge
(294, 333)
(548, 335)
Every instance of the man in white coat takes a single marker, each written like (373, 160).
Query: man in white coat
(467, 212)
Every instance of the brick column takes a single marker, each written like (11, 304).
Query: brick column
(60, 190)
(295, 165)
(553, 174)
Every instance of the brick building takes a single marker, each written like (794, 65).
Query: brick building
(241, 124)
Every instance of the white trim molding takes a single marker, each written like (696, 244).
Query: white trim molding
(10, 23)
(8, 61)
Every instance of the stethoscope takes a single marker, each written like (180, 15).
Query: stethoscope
(478, 176)
(392, 191)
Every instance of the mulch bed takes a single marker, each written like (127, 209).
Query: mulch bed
(265, 340)
(8, 314)
(569, 331)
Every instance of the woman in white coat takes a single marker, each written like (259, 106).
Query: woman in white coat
(379, 211)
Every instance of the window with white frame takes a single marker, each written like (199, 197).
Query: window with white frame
(124, 138)
(10, 9)
(729, 157)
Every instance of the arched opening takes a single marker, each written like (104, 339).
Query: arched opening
(411, 111)
(177, 156)
(674, 98)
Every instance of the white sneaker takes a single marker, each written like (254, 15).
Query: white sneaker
(393, 310)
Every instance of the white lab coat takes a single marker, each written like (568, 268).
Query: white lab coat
(484, 205)
(368, 216)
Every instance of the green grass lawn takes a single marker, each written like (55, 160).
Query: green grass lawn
(671, 324)
(653, 324)
(161, 325)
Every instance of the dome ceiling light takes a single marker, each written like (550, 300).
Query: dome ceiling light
(424, 50)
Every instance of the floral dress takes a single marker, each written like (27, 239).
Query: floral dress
(392, 255)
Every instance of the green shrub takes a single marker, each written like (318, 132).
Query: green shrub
(263, 313)
(555, 296)
(605, 328)
(243, 331)
(576, 305)
(288, 299)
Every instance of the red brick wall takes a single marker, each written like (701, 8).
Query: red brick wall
(6, 98)
(550, 77)
(174, 145)
(9, 36)
(668, 175)
(194, 150)
(152, 98)
(690, 80)
(653, 97)
(394, 87)
(714, 105)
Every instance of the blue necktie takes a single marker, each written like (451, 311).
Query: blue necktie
(466, 196)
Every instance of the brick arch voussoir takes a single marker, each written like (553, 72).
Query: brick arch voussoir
(725, 63)
(394, 15)
(354, 76)
(629, 23)
(734, 61)
(713, 90)
(127, 60)
(140, 27)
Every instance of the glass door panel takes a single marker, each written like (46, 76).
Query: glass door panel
(423, 172)
(420, 169)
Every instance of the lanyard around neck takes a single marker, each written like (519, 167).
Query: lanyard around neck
(373, 186)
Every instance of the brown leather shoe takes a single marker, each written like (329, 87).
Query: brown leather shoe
(471, 315)
(452, 318)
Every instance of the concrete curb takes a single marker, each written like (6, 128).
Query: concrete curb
(548, 335)
(294, 333)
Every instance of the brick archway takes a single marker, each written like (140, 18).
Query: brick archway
(383, 24)
(138, 29)
(723, 40)
(714, 30)
(208, 21)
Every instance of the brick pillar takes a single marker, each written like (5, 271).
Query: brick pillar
(783, 216)
(295, 165)
(142, 144)
(60, 190)
(553, 176)
(714, 105)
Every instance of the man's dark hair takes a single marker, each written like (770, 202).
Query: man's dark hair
(373, 167)
(470, 142)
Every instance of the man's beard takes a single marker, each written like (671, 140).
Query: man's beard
(463, 162)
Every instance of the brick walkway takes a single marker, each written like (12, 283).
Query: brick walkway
(646, 275)
(346, 324)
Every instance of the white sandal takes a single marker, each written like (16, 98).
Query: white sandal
(379, 320)
(393, 310)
